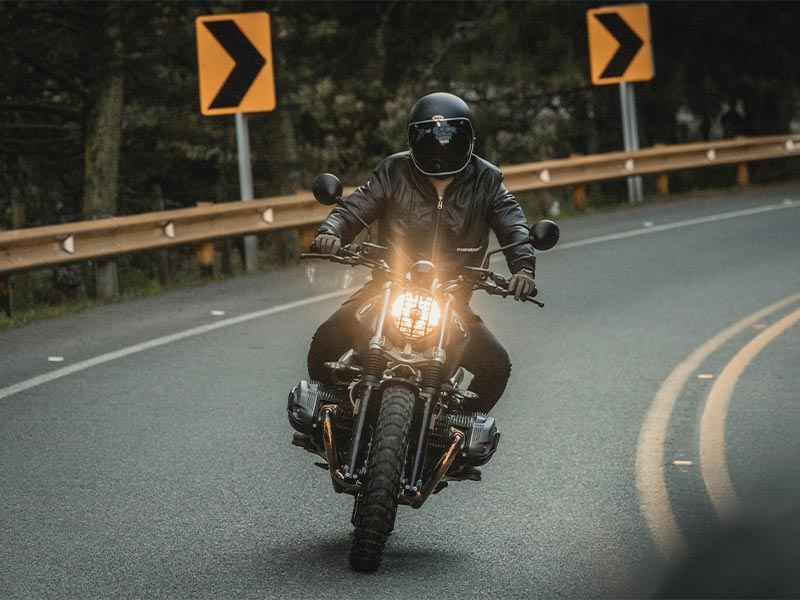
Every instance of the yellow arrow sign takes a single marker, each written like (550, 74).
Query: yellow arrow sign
(619, 44)
(234, 58)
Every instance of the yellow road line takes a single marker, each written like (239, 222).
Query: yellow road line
(713, 460)
(650, 483)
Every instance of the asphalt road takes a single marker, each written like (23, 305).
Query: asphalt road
(654, 398)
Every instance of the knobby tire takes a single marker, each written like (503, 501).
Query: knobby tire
(377, 505)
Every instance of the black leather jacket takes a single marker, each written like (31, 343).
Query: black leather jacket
(452, 232)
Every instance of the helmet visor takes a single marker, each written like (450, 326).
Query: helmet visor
(441, 146)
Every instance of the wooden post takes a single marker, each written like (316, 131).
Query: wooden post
(662, 184)
(742, 174)
(21, 281)
(205, 257)
(6, 303)
(305, 237)
(579, 197)
(205, 253)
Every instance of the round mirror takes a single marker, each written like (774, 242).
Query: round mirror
(327, 189)
(544, 234)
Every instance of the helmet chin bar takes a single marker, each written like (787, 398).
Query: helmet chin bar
(445, 174)
(439, 175)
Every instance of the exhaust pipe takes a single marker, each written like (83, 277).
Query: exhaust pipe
(457, 439)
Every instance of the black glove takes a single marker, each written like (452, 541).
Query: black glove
(327, 244)
(522, 285)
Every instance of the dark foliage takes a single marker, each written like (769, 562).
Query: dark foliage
(346, 73)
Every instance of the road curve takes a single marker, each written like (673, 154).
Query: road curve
(154, 460)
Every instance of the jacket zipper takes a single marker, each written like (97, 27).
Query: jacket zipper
(439, 207)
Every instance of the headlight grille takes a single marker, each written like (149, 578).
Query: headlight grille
(415, 314)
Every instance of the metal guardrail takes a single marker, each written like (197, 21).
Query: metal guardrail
(655, 160)
(24, 249)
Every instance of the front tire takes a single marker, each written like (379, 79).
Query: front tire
(376, 506)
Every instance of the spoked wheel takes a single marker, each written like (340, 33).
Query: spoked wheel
(376, 505)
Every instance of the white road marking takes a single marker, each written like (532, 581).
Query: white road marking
(167, 339)
(123, 352)
(678, 224)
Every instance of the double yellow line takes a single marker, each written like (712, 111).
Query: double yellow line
(650, 481)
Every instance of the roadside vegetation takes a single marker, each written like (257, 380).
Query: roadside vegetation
(100, 110)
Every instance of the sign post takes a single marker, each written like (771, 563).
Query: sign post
(620, 52)
(234, 56)
(246, 185)
(630, 136)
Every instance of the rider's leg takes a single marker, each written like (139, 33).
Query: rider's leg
(338, 334)
(488, 361)
(332, 339)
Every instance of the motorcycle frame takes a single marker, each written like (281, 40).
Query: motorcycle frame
(345, 477)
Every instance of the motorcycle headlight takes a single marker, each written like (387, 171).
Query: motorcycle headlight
(416, 314)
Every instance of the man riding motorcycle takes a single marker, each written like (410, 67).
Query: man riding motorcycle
(437, 201)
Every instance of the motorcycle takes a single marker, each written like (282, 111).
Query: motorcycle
(397, 427)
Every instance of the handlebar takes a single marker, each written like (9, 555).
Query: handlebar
(347, 255)
(477, 278)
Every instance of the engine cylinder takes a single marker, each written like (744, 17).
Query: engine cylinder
(482, 437)
(306, 399)
(482, 440)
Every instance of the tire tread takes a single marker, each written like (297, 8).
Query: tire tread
(378, 506)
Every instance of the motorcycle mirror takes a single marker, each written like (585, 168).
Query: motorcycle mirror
(544, 234)
(327, 189)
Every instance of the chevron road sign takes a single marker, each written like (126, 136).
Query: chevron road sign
(234, 58)
(619, 44)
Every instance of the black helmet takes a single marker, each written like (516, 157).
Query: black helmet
(440, 134)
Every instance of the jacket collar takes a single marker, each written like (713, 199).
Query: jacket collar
(424, 184)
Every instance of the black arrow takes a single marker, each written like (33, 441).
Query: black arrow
(629, 44)
(249, 63)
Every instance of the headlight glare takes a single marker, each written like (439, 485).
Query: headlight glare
(415, 314)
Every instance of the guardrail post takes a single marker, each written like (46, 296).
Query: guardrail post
(161, 256)
(6, 303)
(205, 253)
(742, 174)
(662, 184)
(305, 237)
(579, 197)
(205, 258)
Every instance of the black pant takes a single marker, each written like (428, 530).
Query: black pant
(484, 356)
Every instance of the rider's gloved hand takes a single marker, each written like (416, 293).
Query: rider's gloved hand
(327, 244)
(522, 284)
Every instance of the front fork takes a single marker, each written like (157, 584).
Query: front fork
(433, 377)
(373, 371)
